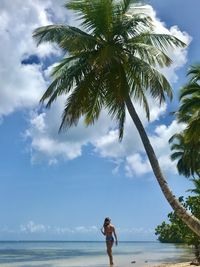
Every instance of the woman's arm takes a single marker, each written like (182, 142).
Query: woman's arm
(102, 230)
(115, 235)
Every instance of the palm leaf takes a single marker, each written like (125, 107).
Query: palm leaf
(176, 155)
(96, 16)
(189, 89)
(150, 54)
(126, 4)
(67, 37)
(160, 41)
(150, 78)
(194, 72)
(133, 26)
(189, 104)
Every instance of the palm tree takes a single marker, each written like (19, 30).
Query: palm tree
(189, 111)
(109, 62)
(187, 154)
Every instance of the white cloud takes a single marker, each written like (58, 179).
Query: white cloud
(135, 230)
(108, 145)
(32, 227)
(75, 230)
(22, 85)
(178, 55)
(162, 133)
(47, 144)
(83, 229)
(135, 164)
(63, 230)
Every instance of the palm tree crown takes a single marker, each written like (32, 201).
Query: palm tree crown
(187, 154)
(114, 56)
(189, 110)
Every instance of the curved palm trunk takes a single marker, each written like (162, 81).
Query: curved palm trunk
(192, 222)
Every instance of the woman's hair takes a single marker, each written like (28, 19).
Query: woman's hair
(106, 221)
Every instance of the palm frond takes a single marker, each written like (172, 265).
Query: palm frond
(150, 54)
(65, 77)
(176, 155)
(189, 104)
(187, 154)
(192, 131)
(194, 72)
(126, 4)
(178, 136)
(95, 103)
(50, 33)
(76, 104)
(133, 26)
(95, 16)
(67, 37)
(151, 79)
(160, 41)
(189, 89)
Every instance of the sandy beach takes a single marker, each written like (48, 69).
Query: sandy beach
(180, 264)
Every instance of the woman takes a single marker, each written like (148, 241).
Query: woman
(109, 230)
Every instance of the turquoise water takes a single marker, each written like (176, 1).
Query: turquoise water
(88, 254)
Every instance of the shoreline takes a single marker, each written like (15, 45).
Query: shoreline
(176, 264)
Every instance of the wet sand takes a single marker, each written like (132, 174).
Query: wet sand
(180, 264)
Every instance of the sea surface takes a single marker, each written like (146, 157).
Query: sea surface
(89, 254)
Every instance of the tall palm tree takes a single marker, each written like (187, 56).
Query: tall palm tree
(187, 154)
(189, 110)
(109, 62)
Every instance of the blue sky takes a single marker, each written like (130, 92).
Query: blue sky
(60, 187)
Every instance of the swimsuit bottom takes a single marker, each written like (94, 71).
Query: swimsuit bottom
(109, 238)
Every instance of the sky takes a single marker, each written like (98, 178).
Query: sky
(62, 186)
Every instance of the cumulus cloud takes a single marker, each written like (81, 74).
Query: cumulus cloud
(35, 228)
(22, 84)
(32, 227)
(47, 144)
(135, 230)
(178, 55)
(138, 165)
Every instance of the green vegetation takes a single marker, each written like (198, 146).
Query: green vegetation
(189, 110)
(176, 231)
(186, 145)
(112, 62)
(186, 153)
(186, 150)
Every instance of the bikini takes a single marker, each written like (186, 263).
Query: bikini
(109, 238)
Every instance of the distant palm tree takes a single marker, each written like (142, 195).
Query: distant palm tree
(189, 110)
(187, 154)
(109, 63)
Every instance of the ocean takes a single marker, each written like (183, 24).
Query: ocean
(89, 254)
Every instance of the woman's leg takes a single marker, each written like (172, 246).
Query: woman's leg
(109, 245)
